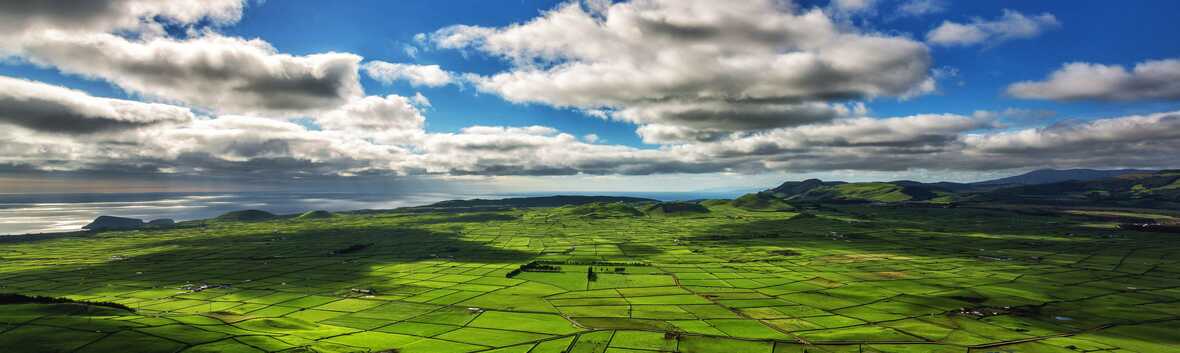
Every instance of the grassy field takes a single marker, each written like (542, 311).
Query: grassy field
(604, 279)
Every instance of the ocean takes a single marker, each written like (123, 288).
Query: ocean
(51, 213)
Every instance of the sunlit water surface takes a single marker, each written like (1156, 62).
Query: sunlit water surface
(44, 213)
(47, 213)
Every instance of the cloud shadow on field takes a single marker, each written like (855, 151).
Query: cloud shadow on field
(258, 252)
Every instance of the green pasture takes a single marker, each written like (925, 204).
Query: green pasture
(850, 278)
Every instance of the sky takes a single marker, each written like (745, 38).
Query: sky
(592, 95)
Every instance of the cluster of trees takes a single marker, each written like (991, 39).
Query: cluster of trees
(352, 249)
(593, 276)
(534, 266)
(538, 266)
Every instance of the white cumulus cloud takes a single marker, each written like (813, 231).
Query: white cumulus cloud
(1010, 25)
(732, 66)
(1148, 80)
(417, 75)
(124, 42)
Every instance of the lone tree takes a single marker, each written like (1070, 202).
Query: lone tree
(590, 275)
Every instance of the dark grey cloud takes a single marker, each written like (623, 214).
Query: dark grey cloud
(963, 143)
(53, 109)
(51, 116)
(246, 147)
(222, 74)
(61, 13)
(754, 115)
(110, 15)
(1131, 141)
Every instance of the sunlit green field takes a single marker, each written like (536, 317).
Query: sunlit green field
(833, 279)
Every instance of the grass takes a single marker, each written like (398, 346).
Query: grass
(843, 278)
(529, 322)
(882, 192)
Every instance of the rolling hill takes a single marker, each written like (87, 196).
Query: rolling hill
(1131, 188)
(522, 202)
(761, 201)
(815, 190)
(1045, 176)
(675, 209)
(1143, 189)
(247, 215)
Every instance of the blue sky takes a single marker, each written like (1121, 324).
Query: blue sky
(1091, 31)
(379, 30)
(944, 89)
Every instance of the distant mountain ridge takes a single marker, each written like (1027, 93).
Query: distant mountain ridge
(1045, 176)
(1144, 189)
(1124, 187)
(815, 190)
(525, 202)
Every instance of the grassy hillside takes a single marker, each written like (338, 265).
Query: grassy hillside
(880, 192)
(315, 215)
(1046, 176)
(1142, 189)
(762, 201)
(814, 190)
(791, 188)
(1155, 189)
(246, 215)
(544, 201)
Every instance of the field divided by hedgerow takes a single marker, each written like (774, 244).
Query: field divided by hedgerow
(827, 279)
